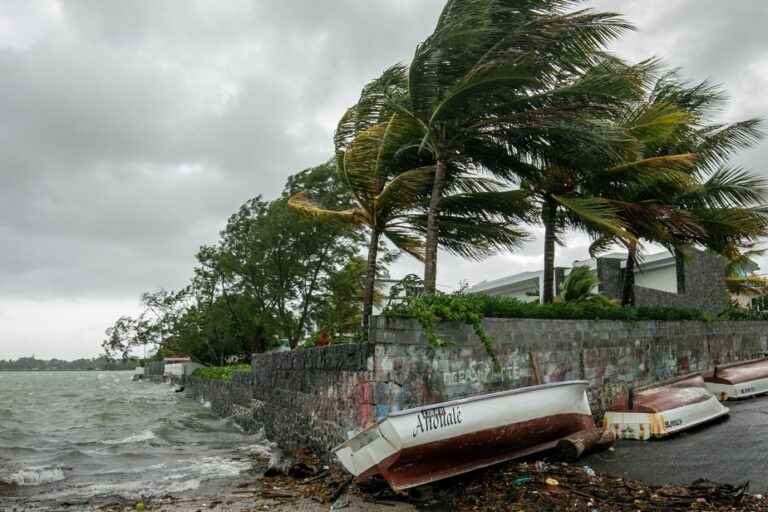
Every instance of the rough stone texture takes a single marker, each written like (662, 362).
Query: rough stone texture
(316, 398)
(609, 274)
(611, 355)
(228, 399)
(700, 284)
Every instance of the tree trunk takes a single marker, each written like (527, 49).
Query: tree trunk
(430, 251)
(549, 216)
(628, 293)
(585, 442)
(370, 281)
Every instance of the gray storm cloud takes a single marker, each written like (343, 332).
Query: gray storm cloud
(129, 131)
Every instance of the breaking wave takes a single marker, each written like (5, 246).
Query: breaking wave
(34, 476)
(147, 435)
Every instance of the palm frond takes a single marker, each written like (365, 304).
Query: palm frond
(729, 187)
(598, 213)
(304, 205)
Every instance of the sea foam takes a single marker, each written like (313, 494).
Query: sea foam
(147, 435)
(34, 476)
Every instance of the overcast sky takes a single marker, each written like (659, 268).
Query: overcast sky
(131, 130)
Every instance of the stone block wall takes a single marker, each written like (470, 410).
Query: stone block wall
(316, 398)
(700, 283)
(611, 355)
(228, 399)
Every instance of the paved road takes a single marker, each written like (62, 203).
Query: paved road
(732, 450)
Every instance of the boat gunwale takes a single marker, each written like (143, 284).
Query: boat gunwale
(488, 396)
(722, 412)
(671, 381)
(710, 373)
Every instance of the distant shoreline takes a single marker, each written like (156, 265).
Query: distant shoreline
(50, 370)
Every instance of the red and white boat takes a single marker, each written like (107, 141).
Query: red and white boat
(417, 446)
(664, 409)
(739, 380)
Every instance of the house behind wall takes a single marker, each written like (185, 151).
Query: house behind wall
(696, 280)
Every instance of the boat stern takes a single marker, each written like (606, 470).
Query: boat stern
(646, 425)
(361, 454)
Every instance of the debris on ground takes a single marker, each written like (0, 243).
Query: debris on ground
(542, 486)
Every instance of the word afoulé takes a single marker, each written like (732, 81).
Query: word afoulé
(435, 419)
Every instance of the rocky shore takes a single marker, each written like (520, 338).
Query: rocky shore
(535, 485)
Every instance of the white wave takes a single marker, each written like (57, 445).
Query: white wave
(147, 435)
(206, 404)
(34, 476)
(217, 467)
(140, 488)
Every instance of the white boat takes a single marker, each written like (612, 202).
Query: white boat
(417, 446)
(664, 409)
(739, 380)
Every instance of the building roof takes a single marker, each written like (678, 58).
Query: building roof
(504, 281)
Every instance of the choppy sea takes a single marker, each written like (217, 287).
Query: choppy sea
(82, 437)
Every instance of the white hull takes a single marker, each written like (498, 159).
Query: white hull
(466, 427)
(737, 391)
(644, 426)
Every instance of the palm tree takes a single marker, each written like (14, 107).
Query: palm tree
(685, 196)
(495, 81)
(390, 182)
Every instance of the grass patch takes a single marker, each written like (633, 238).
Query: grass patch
(221, 372)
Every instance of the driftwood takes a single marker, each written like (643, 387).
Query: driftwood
(585, 441)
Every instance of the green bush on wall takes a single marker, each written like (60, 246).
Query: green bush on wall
(220, 372)
(447, 307)
(471, 309)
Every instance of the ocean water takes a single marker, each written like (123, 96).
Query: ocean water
(80, 437)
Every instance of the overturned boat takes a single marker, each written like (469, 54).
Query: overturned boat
(421, 445)
(663, 409)
(739, 380)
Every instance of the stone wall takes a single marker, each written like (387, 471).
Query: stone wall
(315, 397)
(229, 399)
(609, 354)
(700, 283)
(318, 397)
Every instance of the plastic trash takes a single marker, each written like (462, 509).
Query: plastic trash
(522, 480)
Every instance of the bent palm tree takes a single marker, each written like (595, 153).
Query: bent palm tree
(488, 88)
(390, 184)
(671, 205)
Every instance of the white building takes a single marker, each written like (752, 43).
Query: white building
(660, 279)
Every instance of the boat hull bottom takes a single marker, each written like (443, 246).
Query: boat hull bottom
(428, 463)
(741, 390)
(644, 426)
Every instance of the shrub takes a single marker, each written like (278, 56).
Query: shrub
(450, 307)
(736, 313)
(220, 372)
(470, 309)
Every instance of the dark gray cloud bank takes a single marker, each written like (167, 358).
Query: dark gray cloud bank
(129, 131)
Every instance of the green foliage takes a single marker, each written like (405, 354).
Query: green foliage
(272, 275)
(220, 372)
(579, 284)
(737, 313)
(429, 310)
